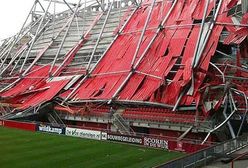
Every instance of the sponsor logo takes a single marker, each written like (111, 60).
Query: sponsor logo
(126, 139)
(156, 143)
(104, 136)
(47, 128)
(179, 146)
(1, 123)
(83, 133)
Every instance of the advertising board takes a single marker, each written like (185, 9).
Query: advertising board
(83, 133)
(125, 138)
(104, 136)
(155, 142)
(1, 123)
(185, 146)
(50, 129)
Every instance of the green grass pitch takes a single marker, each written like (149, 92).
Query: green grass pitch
(27, 149)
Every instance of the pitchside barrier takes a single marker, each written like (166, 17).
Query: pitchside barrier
(83, 133)
(141, 139)
(20, 125)
(203, 157)
(125, 138)
(50, 129)
(1, 123)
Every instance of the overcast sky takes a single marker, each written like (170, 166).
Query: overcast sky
(14, 12)
(12, 15)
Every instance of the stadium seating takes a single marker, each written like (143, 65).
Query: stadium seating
(159, 115)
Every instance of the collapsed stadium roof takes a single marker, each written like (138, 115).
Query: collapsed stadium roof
(180, 61)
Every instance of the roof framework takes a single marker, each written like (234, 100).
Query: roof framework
(170, 54)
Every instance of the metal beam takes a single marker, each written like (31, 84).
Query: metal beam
(224, 122)
(142, 34)
(222, 74)
(76, 48)
(144, 53)
(68, 5)
(127, 102)
(45, 49)
(85, 77)
(63, 40)
(228, 122)
(246, 110)
(99, 37)
(16, 63)
(206, 37)
(199, 40)
(19, 33)
(6, 46)
(24, 34)
(41, 6)
(59, 2)
(31, 46)
(100, 5)
(35, 37)
(14, 58)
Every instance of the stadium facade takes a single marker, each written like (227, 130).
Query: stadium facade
(175, 68)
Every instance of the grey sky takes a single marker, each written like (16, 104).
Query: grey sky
(14, 12)
(12, 16)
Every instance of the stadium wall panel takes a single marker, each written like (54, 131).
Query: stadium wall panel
(185, 147)
(20, 125)
(92, 125)
(1, 123)
(144, 140)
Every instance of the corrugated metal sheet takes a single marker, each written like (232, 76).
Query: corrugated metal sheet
(120, 55)
(166, 66)
(175, 45)
(44, 96)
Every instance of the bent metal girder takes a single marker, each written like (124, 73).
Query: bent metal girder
(168, 54)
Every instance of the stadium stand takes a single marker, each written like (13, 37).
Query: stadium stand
(174, 65)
